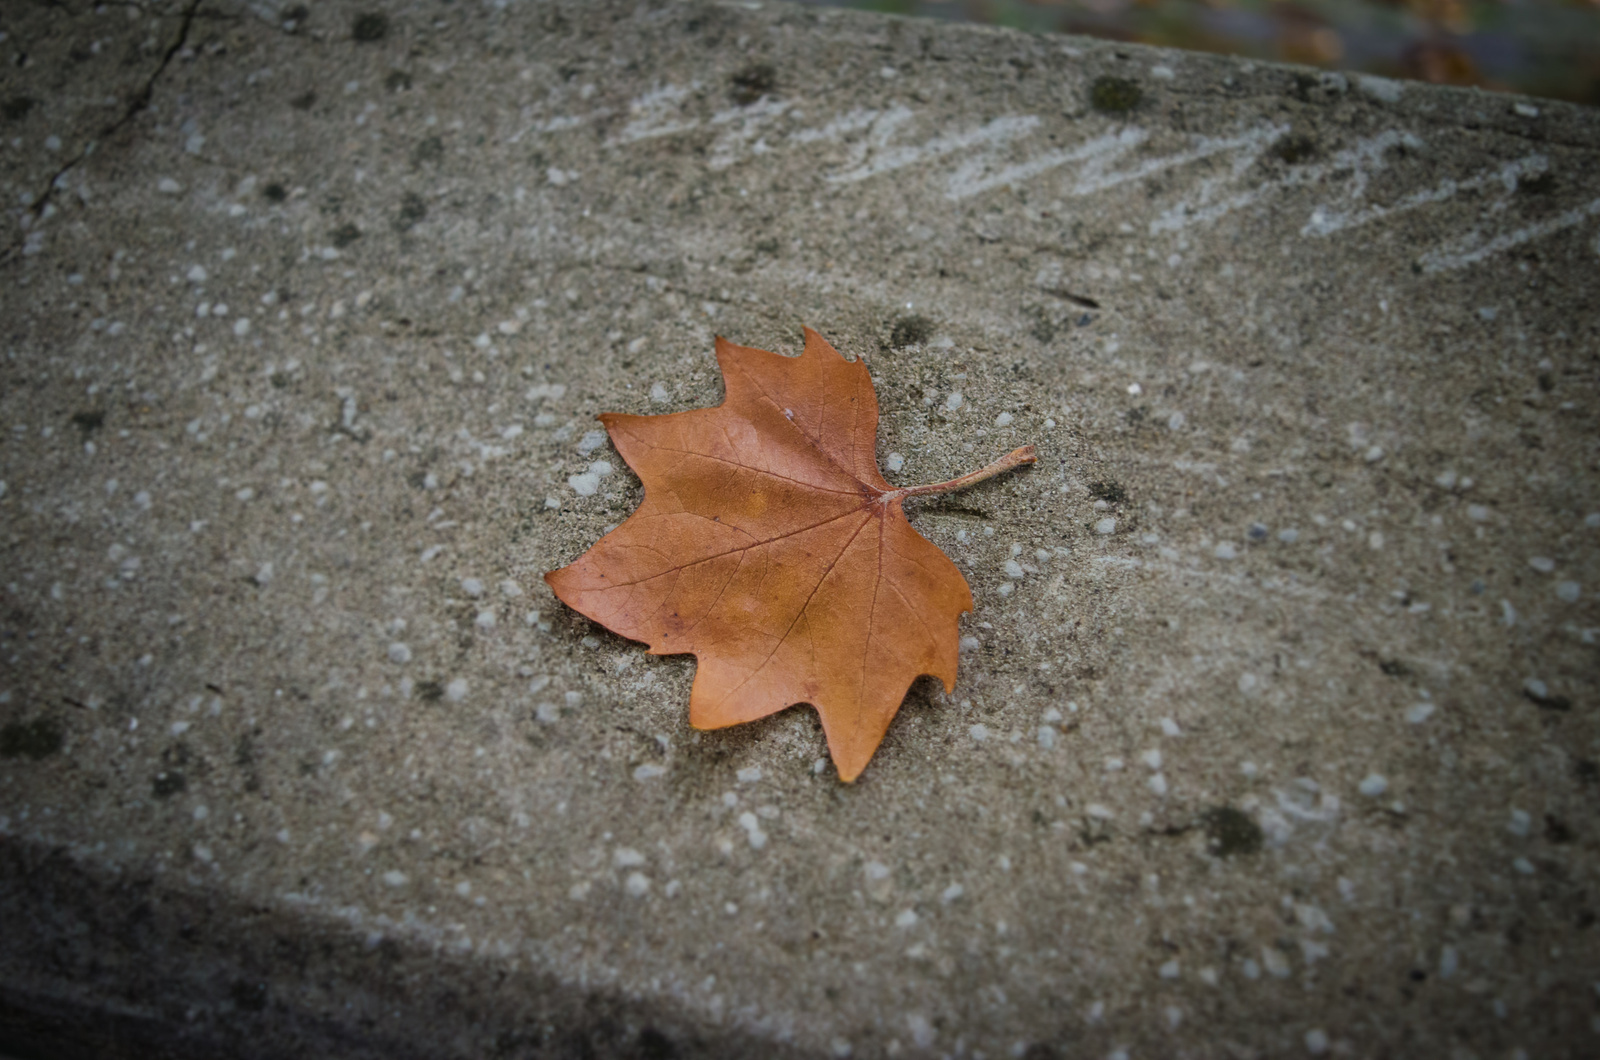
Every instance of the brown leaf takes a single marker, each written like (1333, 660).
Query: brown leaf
(770, 547)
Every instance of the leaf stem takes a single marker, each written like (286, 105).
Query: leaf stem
(1015, 458)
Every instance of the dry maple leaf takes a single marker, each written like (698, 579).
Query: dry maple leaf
(769, 546)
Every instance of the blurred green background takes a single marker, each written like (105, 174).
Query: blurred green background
(1545, 48)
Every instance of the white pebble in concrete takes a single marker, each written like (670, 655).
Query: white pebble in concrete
(1373, 785)
(752, 828)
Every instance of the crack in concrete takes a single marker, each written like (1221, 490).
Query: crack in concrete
(136, 105)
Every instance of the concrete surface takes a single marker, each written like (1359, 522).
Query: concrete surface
(1275, 732)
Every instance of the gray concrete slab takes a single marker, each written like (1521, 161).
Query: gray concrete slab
(1275, 732)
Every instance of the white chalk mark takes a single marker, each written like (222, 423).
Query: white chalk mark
(838, 128)
(1095, 177)
(1206, 207)
(1324, 222)
(743, 135)
(886, 159)
(1475, 247)
(657, 113)
(995, 154)
(973, 178)
(557, 124)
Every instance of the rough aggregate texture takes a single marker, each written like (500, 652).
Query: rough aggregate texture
(1276, 727)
